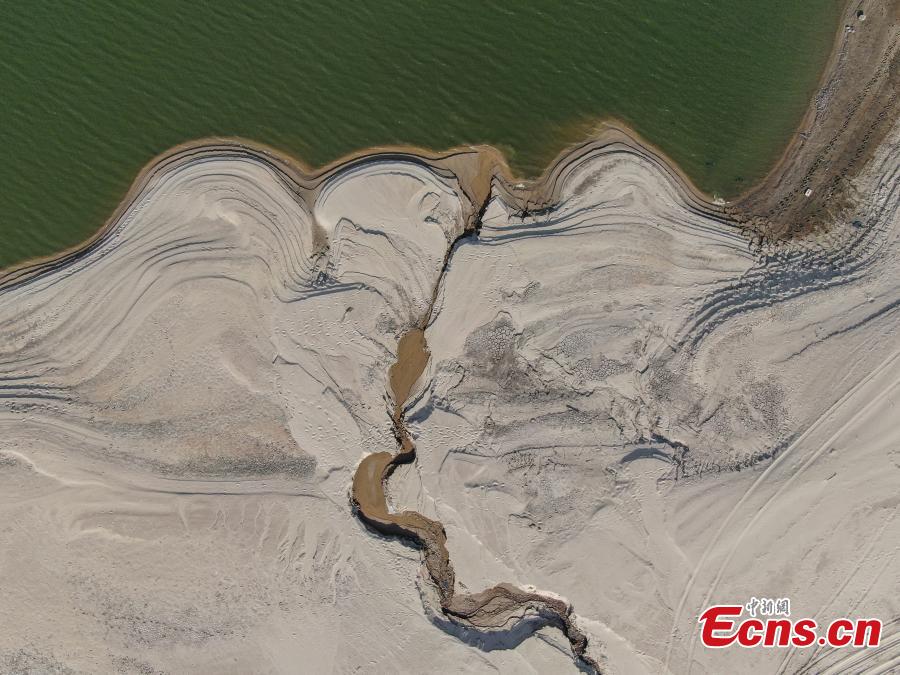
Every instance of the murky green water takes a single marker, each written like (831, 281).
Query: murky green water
(90, 91)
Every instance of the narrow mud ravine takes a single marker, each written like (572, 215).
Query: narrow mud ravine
(503, 607)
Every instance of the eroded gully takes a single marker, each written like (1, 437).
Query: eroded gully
(502, 608)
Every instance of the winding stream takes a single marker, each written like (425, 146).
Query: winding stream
(502, 608)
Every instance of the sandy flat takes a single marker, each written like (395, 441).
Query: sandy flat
(625, 404)
(643, 416)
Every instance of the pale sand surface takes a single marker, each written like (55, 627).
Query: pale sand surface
(568, 349)
(183, 407)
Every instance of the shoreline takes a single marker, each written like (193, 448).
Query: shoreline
(490, 167)
(826, 138)
(768, 210)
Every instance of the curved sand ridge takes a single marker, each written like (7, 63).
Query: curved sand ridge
(610, 378)
(847, 119)
(276, 237)
(164, 344)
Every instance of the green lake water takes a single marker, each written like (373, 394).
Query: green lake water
(90, 91)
